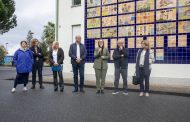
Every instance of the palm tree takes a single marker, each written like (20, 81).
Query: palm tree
(49, 33)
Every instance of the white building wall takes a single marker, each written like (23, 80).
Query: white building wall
(69, 16)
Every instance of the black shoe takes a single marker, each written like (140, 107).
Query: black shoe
(61, 90)
(42, 87)
(82, 91)
(98, 92)
(56, 89)
(102, 91)
(75, 91)
(33, 87)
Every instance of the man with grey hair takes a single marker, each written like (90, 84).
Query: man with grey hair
(120, 57)
(78, 53)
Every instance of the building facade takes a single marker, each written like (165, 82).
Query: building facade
(166, 23)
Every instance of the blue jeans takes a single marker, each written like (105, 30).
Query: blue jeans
(144, 80)
(123, 73)
(78, 68)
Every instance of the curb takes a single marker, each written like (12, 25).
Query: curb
(129, 89)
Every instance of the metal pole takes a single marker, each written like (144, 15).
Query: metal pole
(57, 21)
(6, 46)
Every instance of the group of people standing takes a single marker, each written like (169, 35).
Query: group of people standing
(31, 60)
(28, 60)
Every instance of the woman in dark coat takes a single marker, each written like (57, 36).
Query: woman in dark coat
(38, 63)
(23, 60)
(145, 57)
(56, 57)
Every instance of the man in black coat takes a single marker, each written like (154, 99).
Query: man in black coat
(120, 56)
(38, 63)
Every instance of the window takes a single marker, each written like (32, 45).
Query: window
(76, 2)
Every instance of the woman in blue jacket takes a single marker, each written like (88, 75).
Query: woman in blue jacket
(23, 60)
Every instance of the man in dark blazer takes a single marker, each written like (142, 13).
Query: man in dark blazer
(38, 63)
(78, 53)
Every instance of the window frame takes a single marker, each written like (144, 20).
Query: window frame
(73, 1)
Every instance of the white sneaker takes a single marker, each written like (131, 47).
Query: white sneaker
(125, 93)
(141, 94)
(13, 90)
(115, 92)
(147, 94)
(25, 89)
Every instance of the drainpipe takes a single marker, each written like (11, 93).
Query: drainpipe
(57, 21)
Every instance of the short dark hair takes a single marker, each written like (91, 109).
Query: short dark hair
(144, 38)
(23, 42)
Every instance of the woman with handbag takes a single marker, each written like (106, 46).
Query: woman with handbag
(145, 57)
(23, 60)
(101, 55)
(56, 57)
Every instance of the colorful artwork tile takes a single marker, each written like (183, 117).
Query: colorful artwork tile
(92, 3)
(160, 4)
(126, 19)
(160, 41)
(109, 32)
(145, 5)
(145, 17)
(93, 23)
(182, 40)
(93, 33)
(171, 41)
(166, 28)
(166, 15)
(126, 7)
(93, 12)
(184, 27)
(104, 2)
(126, 31)
(147, 29)
(109, 10)
(184, 13)
(184, 2)
(160, 54)
(131, 43)
(109, 21)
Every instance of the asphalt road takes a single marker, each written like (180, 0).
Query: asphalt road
(49, 106)
(10, 72)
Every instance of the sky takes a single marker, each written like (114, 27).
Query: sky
(31, 15)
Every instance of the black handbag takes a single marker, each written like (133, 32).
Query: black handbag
(136, 80)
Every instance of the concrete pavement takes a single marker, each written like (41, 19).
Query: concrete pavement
(49, 106)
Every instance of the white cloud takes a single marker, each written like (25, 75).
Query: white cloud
(31, 15)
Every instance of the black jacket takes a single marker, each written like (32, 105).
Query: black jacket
(119, 61)
(37, 54)
(146, 63)
(60, 56)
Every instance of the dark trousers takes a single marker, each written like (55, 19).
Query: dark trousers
(21, 78)
(55, 79)
(144, 80)
(37, 67)
(78, 68)
(123, 73)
